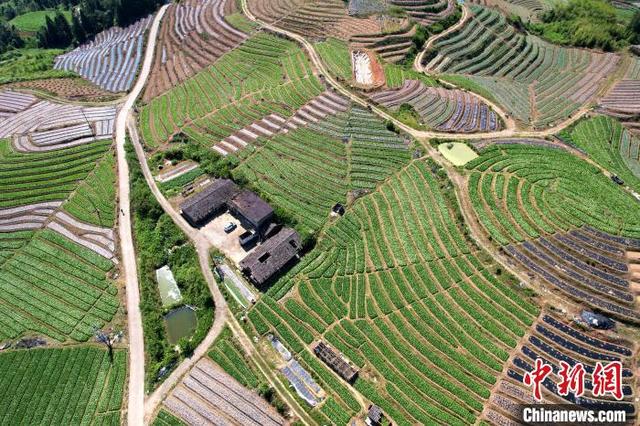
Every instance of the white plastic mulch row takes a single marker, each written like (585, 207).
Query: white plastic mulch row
(209, 395)
(46, 126)
(31, 216)
(111, 59)
(323, 105)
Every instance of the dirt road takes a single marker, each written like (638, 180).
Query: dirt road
(202, 246)
(135, 404)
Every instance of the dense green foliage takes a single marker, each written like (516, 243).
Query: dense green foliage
(58, 29)
(29, 64)
(9, 9)
(9, 38)
(62, 386)
(56, 32)
(583, 23)
(160, 242)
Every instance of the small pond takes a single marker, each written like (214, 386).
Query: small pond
(181, 322)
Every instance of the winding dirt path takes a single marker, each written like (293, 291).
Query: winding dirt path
(417, 64)
(135, 404)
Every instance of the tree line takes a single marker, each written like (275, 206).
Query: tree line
(88, 18)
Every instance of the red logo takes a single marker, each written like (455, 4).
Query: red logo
(606, 379)
(572, 379)
(537, 376)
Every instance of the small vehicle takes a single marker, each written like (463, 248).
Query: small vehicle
(617, 180)
(230, 227)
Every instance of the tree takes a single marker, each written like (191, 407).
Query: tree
(9, 38)
(634, 28)
(56, 33)
(107, 338)
(79, 34)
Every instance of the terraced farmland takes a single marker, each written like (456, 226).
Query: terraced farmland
(265, 75)
(612, 146)
(313, 18)
(56, 214)
(209, 395)
(526, 9)
(556, 341)
(40, 126)
(395, 286)
(540, 84)
(561, 212)
(111, 59)
(62, 386)
(314, 166)
(426, 11)
(622, 99)
(194, 34)
(441, 109)
(392, 47)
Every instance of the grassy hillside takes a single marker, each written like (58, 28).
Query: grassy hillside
(29, 64)
(32, 21)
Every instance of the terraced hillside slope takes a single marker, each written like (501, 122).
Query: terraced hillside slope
(396, 287)
(445, 110)
(194, 34)
(538, 83)
(322, 161)
(111, 59)
(56, 217)
(265, 75)
(563, 221)
(528, 10)
(388, 35)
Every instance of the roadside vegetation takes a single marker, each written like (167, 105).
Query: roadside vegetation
(160, 242)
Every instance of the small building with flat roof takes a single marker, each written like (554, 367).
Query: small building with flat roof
(271, 257)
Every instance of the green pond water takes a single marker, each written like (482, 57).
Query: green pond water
(181, 322)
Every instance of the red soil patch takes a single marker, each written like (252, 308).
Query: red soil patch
(74, 89)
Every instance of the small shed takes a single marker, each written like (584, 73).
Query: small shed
(335, 362)
(338, 209)
(251, 209)
(375, 417)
